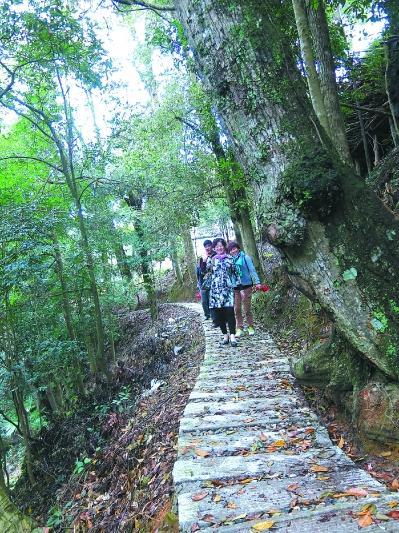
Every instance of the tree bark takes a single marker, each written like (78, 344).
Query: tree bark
(392, 82)
(312, 79)
(190, 256)
(136, 203)
(176, 265)
(328, 83)
(66, 306)
(335, 234)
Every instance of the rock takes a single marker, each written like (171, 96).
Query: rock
(378, 407)
(331, 363)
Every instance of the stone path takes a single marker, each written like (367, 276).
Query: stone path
(251, 452)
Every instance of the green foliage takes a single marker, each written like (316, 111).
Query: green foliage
(349, 274)
(379, 321)
(81, 465)
(55, 517)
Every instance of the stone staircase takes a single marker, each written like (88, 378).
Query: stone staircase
(253, 457)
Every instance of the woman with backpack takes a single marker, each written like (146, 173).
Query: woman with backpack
(223, 276)
(243, 291)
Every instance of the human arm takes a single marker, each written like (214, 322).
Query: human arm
(252, 271)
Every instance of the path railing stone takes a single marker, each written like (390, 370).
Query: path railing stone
(252, 455)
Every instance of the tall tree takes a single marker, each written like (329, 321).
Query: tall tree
(328, 83)
(312, 77)
(55, 42)
(338, 239)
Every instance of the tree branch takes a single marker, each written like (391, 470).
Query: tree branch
(194, 127)
(54, 167)
(2, 413)
(363, 108)
(27, 117)
(145, 5)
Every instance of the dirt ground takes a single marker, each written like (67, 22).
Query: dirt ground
(108, 467)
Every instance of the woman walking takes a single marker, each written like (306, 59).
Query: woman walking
(243, 291)
(224, 277)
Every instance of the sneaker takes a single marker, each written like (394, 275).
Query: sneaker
(234, 343)
(251, 331)
(239, 332)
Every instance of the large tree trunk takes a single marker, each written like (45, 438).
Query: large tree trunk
(336, 235)
(328, 83)
(189, 254)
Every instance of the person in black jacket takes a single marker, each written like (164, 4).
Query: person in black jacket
(201, 272)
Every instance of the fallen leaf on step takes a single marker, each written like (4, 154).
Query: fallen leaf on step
(365, 520)
(201, 453)
(208, 518)
(279, 443)
(217, 498)
(341, 442)
(392, 504)
(356, 491)
(263, 526)
(395, 484)
(247, 480)
(381, 516)
(319, 468)
(199, 496)
(184, 450)
(393, 514)
(293, 487)
(368, 508)
(232, 505)
(239, 517)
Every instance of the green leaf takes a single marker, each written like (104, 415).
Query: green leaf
(349, 274)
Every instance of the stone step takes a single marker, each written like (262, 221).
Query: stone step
(239, 383)
(247, 406)
(260, 419)
(237, 395)
(258, 466)
(255, 441)
(228, 372)
(339, 518)
(288, 496)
